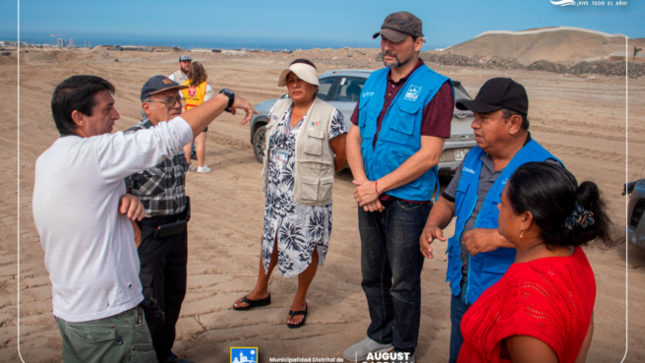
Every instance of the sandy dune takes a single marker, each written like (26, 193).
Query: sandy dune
(554, 44)
(581, 120)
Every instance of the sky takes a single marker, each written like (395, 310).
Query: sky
(296, 23)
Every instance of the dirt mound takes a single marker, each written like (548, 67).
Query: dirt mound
(336, 54)
(552, 44)
(605, 68)
(8, 59)
(101, 55)
(37, 57)
(547, 66)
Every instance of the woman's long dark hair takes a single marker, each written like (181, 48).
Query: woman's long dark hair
(197, 74)
(551, 193)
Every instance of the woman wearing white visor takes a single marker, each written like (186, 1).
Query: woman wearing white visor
(305, 147)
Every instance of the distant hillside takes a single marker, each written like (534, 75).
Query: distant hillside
(553, 44)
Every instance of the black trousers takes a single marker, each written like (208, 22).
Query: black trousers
(163, 276)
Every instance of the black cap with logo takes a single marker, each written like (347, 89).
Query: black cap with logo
(397, 26)
(498, 93)
(158, 84)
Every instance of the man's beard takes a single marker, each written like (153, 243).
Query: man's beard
(395, 64)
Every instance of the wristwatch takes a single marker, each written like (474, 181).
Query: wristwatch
(231, 97)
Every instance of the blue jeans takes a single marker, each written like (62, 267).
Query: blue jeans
(458, 308)
(391, 264)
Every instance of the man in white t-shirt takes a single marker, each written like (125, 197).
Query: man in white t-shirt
(181, 74)
(90, 252)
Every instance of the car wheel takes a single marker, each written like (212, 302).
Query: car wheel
(259, 143)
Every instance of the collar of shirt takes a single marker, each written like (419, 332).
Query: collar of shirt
(402, 80)
(488, 161)
(146, 123)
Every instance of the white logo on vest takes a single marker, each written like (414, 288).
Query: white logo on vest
(413, 93)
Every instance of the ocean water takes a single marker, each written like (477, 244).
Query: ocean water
(211, 43)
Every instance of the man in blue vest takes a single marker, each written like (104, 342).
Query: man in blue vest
(478, 256)
(399, 126)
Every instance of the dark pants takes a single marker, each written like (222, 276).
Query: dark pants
(458, 308)
(391, 264)
(163, 276)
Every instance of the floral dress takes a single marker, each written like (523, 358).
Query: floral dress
(299, 228)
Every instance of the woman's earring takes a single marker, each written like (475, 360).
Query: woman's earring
(521, 233)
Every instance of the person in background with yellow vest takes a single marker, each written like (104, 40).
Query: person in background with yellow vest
(181, 74)
(305, 147)
(198, 92)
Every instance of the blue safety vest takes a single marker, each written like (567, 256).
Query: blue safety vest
(400, 133)
(485, 268)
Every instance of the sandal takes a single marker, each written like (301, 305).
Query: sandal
(254, 303)
(298, 313)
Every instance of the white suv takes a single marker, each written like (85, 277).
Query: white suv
(342, 88)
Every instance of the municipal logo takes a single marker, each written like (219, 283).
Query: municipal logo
(468, 170)
(192, 91)
(413, 93)
(315, 123)
(244, 355)
(367, 94)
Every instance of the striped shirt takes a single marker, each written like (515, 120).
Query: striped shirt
(161, 188)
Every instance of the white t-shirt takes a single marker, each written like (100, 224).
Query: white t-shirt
(89, 246)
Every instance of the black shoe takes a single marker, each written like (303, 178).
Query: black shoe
(174, 359)
(254, 303)
(298, 313)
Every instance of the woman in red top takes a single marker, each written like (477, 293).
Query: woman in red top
(542, 308)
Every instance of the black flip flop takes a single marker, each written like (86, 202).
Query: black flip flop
(254, 303)
(298, 313)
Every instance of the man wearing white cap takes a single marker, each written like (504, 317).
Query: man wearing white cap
(393, 147)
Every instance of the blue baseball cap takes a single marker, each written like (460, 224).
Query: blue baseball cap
(185, 57)
(158, 84)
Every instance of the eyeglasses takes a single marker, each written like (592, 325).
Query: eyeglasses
(170, 101)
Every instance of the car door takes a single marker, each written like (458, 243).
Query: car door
(325, 86)
(346, 93)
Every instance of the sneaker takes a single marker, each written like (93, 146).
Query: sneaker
(174, 359)
(204, 169)
(359, 351)
(191, 168)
